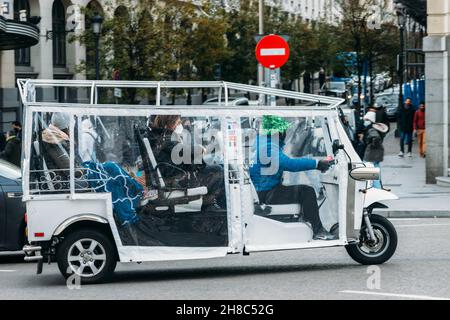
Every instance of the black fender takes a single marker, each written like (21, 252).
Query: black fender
(376, 205)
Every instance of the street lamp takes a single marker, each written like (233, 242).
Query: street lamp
(401, 20)
(97, 29)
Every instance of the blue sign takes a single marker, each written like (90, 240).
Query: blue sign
(349, 58)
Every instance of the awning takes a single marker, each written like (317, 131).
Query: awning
(17, 34)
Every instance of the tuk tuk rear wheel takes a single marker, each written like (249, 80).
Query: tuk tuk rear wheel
(368, 252)
(88, 254)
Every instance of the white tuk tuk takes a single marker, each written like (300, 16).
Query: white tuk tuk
(106, 182)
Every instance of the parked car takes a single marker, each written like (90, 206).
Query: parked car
(379, 83)
(390, 102)
(335, 89)
(12, 209)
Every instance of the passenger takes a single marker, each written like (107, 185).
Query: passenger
(267, 177)
(166, 134)
(55, 142)
(56, 150)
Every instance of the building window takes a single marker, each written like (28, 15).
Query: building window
(59, 34)
(21, 56)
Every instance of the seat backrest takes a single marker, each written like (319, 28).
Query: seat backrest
(153, 162)
(148, 158)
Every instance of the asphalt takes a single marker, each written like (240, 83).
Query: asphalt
(418, 270)
(405, 177)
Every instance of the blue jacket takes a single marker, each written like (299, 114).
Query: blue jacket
(125, 191)
(269, 162)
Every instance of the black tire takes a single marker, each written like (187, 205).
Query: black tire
(383, 249)
(103, 258)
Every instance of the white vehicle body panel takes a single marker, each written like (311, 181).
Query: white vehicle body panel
(45, 216)
(374, 195)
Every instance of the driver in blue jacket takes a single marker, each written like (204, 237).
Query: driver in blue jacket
(269, 163)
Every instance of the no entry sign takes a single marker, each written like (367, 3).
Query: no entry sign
(272, 51)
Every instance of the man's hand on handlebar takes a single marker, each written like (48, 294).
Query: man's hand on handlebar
(325, 164)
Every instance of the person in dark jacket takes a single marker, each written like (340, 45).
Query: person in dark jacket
(374, 146)
(17, 127)
(13, 149)
(56, 149)
(267, 175)
(405, 122)
(166, 136)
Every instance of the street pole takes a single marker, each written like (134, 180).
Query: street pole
(261, 33)
(97, 57)
(97, 21)
(401, 24)
(273, 84)
(401, 70)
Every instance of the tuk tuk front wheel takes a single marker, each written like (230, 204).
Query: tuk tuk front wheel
(88, 254)
(375, 251)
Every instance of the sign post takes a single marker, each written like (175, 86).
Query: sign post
(272, 52)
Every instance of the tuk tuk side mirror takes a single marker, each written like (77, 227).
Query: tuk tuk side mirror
(337, 146)
(365, 174)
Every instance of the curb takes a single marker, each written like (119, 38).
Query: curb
(413, 213)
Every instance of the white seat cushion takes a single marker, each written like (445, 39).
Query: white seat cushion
(200, 191)
(285, 209)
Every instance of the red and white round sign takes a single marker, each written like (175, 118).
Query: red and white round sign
(272, 51)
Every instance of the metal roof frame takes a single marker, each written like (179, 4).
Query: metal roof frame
(27, 89)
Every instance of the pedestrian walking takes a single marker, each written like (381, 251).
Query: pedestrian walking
(419, 128)
(405, 121)
(373, 140)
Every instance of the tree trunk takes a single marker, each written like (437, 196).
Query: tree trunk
(359, 82)
(372, 92)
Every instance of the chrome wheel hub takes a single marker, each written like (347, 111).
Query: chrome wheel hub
(377, 246)
(86, 258)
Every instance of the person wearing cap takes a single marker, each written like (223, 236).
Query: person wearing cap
(268, 165)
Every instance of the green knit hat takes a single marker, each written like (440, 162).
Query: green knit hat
(274, 124)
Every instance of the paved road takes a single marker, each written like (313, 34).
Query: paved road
(418, 270)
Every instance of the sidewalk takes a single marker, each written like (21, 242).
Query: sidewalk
(406, 178)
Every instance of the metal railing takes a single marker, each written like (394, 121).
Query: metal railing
(27, 89)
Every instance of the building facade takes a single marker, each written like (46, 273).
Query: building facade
(54, 57)
(437, 70)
